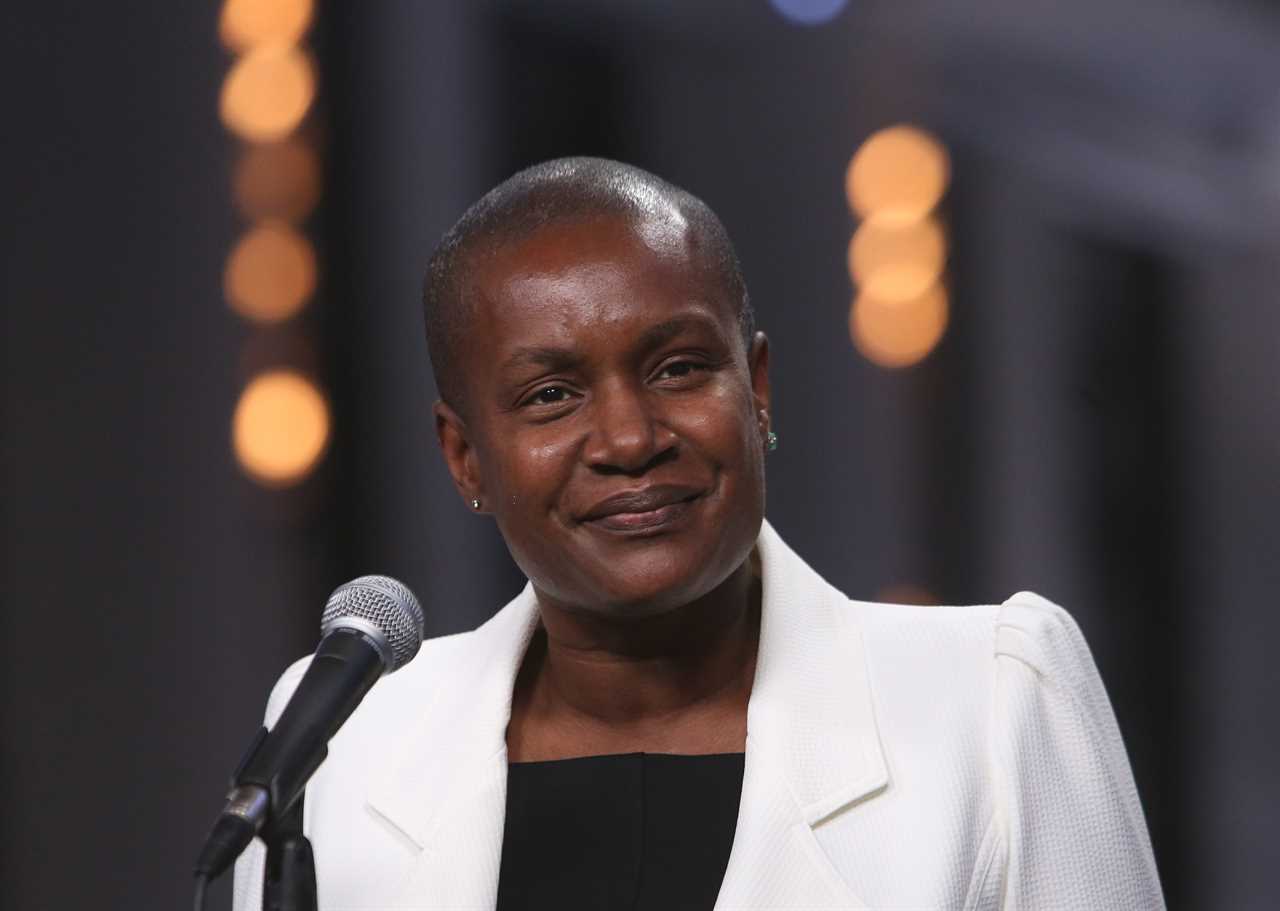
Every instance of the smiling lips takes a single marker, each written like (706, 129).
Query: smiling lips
(641, 510)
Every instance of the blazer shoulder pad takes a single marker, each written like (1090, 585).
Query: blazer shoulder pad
(1042, 635)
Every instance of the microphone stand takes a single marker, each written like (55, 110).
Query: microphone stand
(290, 880)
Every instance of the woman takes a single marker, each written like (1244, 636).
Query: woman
(677, 712)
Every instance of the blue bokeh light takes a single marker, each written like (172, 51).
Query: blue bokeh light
(809, 12)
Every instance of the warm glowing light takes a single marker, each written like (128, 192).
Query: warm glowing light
(893, 260)
(900, 172)
(280, 427)
(248, 23)
(898, 333)
(280, 180)
(907, 593)
(270, 274)
(267, 93)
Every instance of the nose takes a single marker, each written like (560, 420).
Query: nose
(626, 437)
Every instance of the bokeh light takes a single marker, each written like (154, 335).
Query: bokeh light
(897, 260)
(898, 333)
(270, 274)
(245, 24)
(267, 93)
(907, 593)
(280, 428)
(279, 180)
(899, 172)
(809, 12)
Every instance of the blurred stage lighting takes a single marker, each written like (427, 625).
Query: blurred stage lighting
(907, 593)
(270, 274)
(897, 260)
(280, 428)
(245, 24)
(898, 333)
(809, 12)
(267, 93)
(899, 172)
(279, 180)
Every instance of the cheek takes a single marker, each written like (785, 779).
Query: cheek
(531, 467)
(739, 447)
(723, 426)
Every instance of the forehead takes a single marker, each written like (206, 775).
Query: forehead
(570, 283)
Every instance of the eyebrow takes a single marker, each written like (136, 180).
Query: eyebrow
(553, 358)
(550, 358)
(656, 336)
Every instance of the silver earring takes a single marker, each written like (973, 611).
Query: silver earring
(475, 504)
(771, 441)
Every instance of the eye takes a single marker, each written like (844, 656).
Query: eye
(548, 395)
(679, 370)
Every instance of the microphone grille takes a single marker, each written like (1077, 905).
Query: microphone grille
(383, 608)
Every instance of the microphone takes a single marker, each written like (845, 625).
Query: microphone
(371, 625)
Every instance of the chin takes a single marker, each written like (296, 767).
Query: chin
(634, 576)
(659, 580)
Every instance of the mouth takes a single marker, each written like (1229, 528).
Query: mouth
(651, 509)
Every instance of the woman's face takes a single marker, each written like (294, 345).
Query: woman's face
(614, 421)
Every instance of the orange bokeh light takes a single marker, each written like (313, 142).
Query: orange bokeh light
(894, 260)
(280, 427)
(245, 24)
(907, 593)
(270, 274)
(898, 333)
(267, 93)
(279, 180)
(899, 172)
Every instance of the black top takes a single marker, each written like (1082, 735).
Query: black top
(637, 831)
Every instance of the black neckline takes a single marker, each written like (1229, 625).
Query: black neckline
(618, 756)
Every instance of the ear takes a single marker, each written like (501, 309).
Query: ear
(459, 454)
(758, 364)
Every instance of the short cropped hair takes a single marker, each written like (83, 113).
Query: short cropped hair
(564, 189)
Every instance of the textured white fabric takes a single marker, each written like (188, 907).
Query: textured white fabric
(897, 757)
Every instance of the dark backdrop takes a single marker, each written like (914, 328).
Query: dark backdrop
(1099, 423)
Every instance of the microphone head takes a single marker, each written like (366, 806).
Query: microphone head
(383, 610)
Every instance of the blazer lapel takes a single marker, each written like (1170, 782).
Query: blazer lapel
(813, 749)
(445, 786)
(812, 752)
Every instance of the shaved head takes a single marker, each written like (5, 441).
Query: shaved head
(565, 189)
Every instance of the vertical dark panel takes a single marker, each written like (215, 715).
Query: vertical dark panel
(1133, 517)
(945, 399)
(562, 91)
(146, 599)
(1232, 792)
(412, 140)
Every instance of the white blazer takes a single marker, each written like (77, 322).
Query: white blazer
(896, 757)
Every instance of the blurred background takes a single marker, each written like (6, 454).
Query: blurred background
(1018, 261)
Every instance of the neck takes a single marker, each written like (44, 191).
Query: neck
(590, 669)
